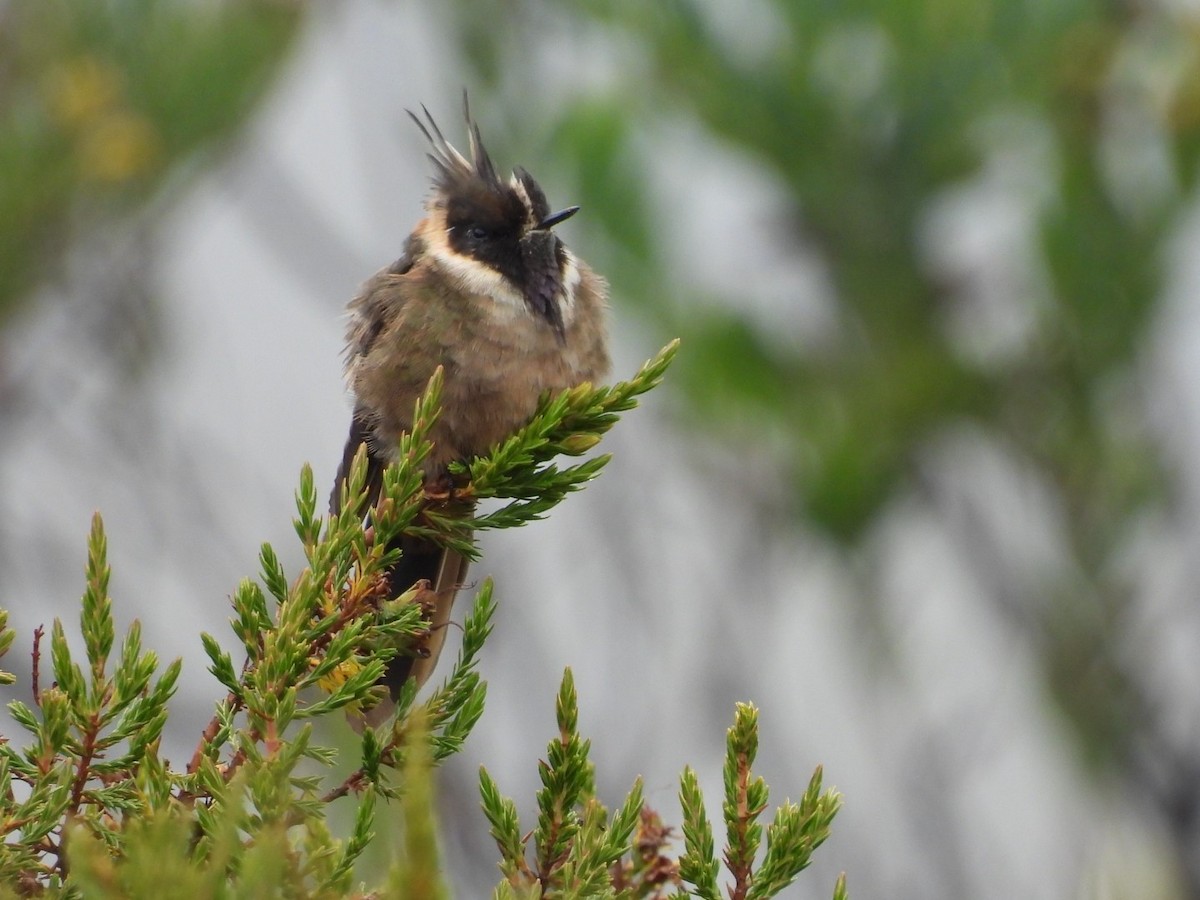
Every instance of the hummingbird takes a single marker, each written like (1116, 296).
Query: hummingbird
(485, 289)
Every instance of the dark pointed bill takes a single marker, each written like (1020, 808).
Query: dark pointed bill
(554, 218)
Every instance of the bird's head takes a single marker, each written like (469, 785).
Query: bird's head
(494, 236)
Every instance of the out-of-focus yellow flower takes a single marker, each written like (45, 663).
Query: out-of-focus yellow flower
(113, 143)
(338, 676)
(118, 147)
(82, 89)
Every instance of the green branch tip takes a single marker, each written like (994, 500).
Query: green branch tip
(250, 812)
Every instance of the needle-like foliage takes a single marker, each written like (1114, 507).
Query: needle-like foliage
(89, 808)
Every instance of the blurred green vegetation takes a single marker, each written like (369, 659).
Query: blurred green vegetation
(864, 114)
(102, 102)
(872, 119)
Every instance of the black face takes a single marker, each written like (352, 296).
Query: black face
(487, 225)
(491, 227)
(489, 221)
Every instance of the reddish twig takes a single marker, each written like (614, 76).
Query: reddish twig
(354, 781)
(83, 772)
(232, 704)
(358, 778)
(37, 662)
(739, 867)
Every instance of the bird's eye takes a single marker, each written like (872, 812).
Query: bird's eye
(477, 233)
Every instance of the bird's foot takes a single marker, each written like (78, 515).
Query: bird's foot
(439, 488)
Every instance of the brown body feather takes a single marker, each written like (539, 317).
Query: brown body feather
(488, 293)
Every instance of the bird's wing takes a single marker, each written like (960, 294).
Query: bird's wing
(360, 433)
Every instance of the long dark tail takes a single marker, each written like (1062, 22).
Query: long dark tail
(420, 560)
